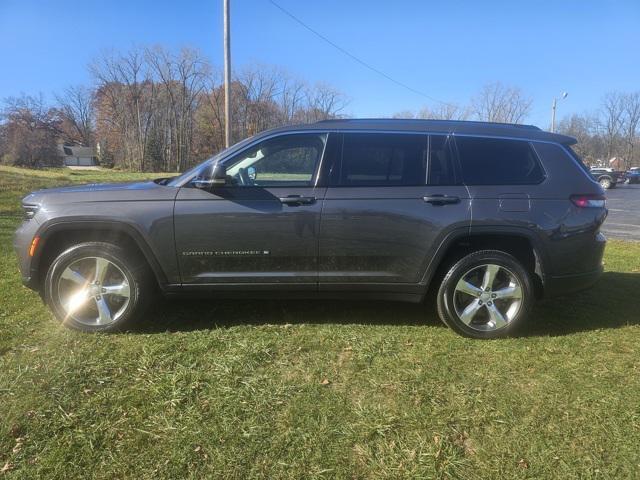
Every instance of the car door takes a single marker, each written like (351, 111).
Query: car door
(381, 221)
(261, 227)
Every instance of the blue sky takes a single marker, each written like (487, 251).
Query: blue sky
(447, 49)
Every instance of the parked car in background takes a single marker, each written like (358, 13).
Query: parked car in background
(492, 216)
(606, 177)
(633, 175)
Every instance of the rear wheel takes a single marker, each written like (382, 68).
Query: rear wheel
(485, 295)
(96, 287)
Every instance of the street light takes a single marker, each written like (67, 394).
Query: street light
(553, 110)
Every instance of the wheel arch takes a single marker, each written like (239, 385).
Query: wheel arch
(56, 237)
(522, 243)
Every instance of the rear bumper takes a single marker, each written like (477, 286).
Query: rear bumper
(586, 257)
(566, 284)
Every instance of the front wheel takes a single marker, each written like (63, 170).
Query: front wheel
(485, 295)
(605, 183)
(96, 286)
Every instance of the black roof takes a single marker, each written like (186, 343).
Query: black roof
(513, 130)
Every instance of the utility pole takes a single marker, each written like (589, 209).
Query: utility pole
(227, 76)
(553, 111)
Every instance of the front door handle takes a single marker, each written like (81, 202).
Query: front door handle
(438, 199)
(296, 200)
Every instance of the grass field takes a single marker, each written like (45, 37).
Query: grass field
(255, 389)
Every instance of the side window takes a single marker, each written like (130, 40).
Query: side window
(383, 159)
(441, 161)
(284, 161)
(492, 161)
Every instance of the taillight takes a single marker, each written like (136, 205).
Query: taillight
(589, 201)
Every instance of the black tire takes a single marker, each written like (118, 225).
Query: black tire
(511, 268)
(130, 266)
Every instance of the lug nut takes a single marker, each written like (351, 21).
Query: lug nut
(489, 303)
(479, 302)
(493, 295)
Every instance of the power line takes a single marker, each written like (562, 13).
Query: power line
(356, 59)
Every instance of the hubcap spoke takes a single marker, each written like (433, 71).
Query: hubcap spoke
(470, 311)
(497, 319)
(468, 288)
(74, 276)
(510, 292)
(490, 276)
(104, 313)
(77, 300)
(121, 290)
(102, 265)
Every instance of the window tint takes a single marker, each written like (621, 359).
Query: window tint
(441, 164)
(577, 158)
(489, 161)
(375, 159)
(287, 160)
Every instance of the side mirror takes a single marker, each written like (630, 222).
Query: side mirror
(213, 175)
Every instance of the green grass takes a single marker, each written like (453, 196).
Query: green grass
(17, 182)
(284, 389)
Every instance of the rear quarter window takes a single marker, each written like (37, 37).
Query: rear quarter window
(493, 161)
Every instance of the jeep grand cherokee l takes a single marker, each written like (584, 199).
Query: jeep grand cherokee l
(492, 216)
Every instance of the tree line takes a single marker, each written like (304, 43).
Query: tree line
(152, 109)
(612, 131)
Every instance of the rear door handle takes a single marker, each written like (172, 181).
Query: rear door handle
(438, 199)
(296, 200)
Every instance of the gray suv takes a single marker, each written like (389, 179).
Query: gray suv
(491, 216)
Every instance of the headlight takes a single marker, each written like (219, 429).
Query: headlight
(29, 211)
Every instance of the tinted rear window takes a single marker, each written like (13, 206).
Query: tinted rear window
(373, 159)
(490, 161)
(577, 158)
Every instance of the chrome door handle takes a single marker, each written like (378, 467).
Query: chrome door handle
(438, 199)
(296, 200)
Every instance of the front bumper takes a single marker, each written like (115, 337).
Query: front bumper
(21, 243)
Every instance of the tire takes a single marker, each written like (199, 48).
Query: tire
(605, 182)
(97, 287)
(472, 311)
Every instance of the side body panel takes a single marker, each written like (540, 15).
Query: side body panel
(246, 235)
(385, 235)
(141, 210)
(566, 237)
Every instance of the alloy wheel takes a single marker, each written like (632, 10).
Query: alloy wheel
(93, 291)
(488, 297)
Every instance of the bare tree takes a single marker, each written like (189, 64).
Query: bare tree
(445, 111)
(630, 125)
(30, 131)
(585, 129)
(75, 105)
(499, 103)
(323, 102)
(612, 121)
